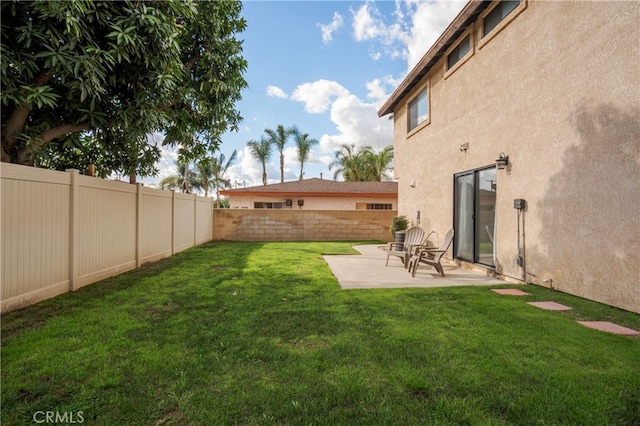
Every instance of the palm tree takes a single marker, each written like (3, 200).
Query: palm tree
(185, 180)
(262, 151)
(352, 163)
(219, 170)
(381, 164)
(279, 139)
(204, 175)
(304, 144)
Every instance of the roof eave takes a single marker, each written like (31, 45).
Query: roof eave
(311, 194)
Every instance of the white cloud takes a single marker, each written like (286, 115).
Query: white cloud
(357, 123)
(376, 90)
(428, 22)
(276, 92)
(415, 27)
(369, 25)
(328, 30)
(366, 23)
(317, 96)
(246, 170)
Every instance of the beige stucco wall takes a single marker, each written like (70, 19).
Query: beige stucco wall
(558, 91)
(301, 225)
(311, 203)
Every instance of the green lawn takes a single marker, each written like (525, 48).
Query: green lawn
(260, 333)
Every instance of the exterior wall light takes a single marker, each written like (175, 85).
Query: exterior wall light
(502, 162)
(300, 203)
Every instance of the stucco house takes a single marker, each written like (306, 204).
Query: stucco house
(316, 194)
(520, 129)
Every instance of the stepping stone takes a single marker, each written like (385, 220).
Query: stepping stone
(610, 327)
(551, 306)
(510, 291)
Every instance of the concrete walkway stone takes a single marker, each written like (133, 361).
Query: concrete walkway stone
(610, 327)
(551, 306)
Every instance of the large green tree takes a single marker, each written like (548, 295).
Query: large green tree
(278, 138)
(86, 81)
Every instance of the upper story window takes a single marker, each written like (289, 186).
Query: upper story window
(497, 16)
(501, 11)
(459, 51)
(418, 109)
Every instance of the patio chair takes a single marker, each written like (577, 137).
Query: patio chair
(430, 256)
(413, 236)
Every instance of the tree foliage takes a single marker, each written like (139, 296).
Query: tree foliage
(185, 180)
(362, 164)
(212, 171)
(304, 144)
(206, 174)
(278, 138)
(261, 150)
(85, 81)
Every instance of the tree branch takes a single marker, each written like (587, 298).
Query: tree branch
(51, 134)
(18, 117)
(25, 154)
(192, 61)
(188, 66)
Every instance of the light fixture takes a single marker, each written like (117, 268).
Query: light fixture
(300, 203)
(502, 162)
(464, 147)
(412, 183)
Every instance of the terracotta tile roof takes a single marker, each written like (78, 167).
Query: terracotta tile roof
(320, 187)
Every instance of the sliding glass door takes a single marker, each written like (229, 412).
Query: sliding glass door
(474, 216)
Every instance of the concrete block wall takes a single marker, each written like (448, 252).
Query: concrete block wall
(301, 225)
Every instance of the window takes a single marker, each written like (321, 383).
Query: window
(418, 110)
(373, 206)
(496, 17)
(459, 51)
(261, 205)
(497, 14)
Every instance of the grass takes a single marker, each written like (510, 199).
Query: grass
(260, 333)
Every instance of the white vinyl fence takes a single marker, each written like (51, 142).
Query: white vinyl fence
(60, 231)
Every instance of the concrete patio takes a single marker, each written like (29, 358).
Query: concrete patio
(368, 270)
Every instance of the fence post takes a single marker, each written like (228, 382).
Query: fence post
(173, 222)
(195, 219)
(74, 216)
(138, 224)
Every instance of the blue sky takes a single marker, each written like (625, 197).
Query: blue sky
(327, 67)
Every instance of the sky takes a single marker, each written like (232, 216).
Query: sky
(325, 67)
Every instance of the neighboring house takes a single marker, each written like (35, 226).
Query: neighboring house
(550, 89)
(316, 194)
